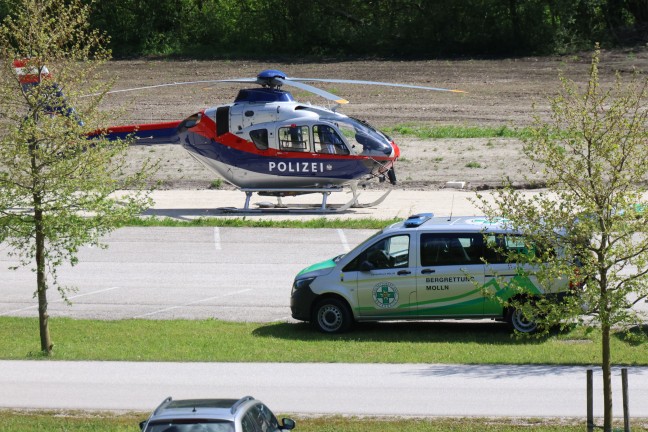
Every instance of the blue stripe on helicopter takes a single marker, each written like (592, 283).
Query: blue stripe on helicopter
(157, 133)
(274, 165)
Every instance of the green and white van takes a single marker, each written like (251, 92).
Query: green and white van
(423, 268)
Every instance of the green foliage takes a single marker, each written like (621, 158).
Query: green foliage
(56, 186)
(401, 28)
(594, 157)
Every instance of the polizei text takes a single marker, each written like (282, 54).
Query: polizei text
(297, 167)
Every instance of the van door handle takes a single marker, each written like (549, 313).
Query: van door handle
(403, 272)
(427, 271)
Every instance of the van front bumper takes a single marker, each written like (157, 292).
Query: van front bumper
(301, 303)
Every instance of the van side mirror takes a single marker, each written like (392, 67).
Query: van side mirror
(366, 266)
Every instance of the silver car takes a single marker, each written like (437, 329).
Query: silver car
(214, 415)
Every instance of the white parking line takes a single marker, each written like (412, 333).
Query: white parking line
(343, 239)
(217, 240)
(191, 303)
(60, 300)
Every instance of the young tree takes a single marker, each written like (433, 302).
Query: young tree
(593, 152)
(56, 186)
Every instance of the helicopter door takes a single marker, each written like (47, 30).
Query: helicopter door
(327, 140)
(222, 120)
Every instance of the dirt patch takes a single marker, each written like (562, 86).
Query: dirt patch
(498, 93)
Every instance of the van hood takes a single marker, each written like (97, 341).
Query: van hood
(321, 268)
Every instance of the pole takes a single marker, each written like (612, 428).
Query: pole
(626, 402)
(590, 402)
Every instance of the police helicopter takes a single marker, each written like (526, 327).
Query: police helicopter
(268, 143)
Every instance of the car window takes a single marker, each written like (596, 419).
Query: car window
(191, 425)
(390, 252)
(507, 248)
(260, 419)
(249, 424)
(440, 249)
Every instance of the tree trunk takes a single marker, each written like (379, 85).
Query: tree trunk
(607, 378)
(41, 283)
(41, 276)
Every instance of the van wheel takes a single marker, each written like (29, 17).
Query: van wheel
(519, 322)
(332, 316)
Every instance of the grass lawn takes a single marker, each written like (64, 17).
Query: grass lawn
(320, 222)
(220, 341)
(39, 421)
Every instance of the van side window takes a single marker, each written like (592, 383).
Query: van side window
(503, 248)
(451, 249)
(294, 138)
(390, 252)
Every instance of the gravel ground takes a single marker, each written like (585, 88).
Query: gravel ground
(498, 93)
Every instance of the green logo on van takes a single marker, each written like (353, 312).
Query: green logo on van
(385, 295)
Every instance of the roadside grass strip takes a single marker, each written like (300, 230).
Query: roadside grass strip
(398, 342)
(237, 222)
(73, 421)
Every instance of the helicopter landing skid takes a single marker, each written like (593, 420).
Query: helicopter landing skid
(356, 204)
(324, 207)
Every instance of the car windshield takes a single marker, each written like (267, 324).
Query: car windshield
(191, 425)
(371, 140)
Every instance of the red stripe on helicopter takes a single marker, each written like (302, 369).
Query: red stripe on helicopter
(207, 129)
(143, 127)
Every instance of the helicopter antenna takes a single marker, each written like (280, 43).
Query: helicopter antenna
(451, 208)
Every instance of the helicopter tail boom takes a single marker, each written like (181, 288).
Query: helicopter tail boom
(152, 133)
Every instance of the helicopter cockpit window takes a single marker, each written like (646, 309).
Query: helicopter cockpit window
(370, 140)
(327, 140)
(294, 138)
(260, 138)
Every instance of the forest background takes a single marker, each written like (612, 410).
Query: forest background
(406, 29)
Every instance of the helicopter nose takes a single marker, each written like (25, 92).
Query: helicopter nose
(396, 150)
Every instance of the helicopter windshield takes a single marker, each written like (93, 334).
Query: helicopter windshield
(372, 141)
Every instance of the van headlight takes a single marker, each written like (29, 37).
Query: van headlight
(300, 284)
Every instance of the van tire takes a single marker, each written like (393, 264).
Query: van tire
(519, 322)
(332, 315)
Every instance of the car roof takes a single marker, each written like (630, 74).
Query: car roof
(213, 409)
(428, 222)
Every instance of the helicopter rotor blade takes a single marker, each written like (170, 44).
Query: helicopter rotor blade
(236, 80)
(378, 83)
(274, 79)
(314, 90)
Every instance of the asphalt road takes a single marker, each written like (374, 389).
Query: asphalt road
(165, 273)
(233, 274)
(243, 273)
(353, 389)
